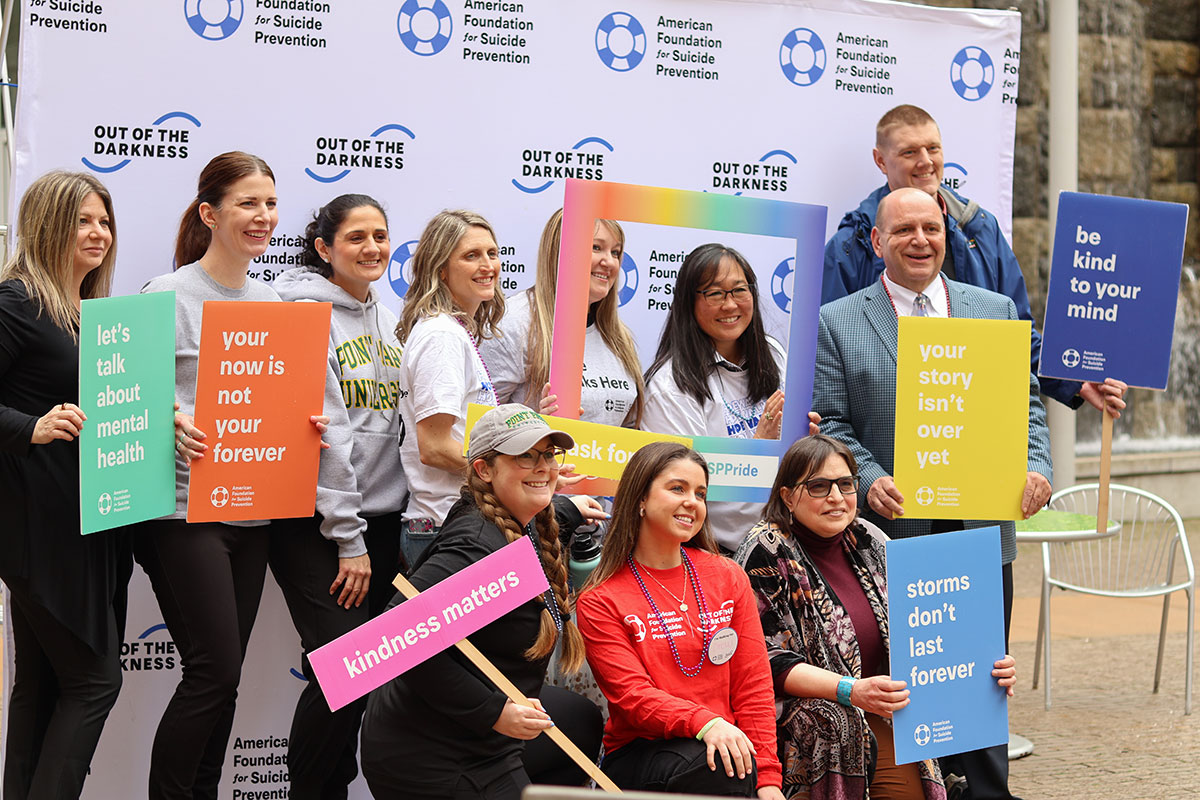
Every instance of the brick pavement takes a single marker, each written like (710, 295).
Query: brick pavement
(1107, 735)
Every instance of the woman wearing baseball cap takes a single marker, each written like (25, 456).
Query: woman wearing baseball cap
(442, 730)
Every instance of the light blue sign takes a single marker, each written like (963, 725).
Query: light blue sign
(946, 623)
(1114, 282)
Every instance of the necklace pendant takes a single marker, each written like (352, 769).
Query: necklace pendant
(683, 606)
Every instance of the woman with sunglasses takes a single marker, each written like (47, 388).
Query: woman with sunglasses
(673, 637)
(820, 580)
(442, 730)
(717, 373)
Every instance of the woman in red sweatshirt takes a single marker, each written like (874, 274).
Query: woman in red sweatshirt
(674, 640)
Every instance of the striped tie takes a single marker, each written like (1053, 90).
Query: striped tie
(920, 305)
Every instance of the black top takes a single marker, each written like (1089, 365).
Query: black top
(76, 578)
(438, 716)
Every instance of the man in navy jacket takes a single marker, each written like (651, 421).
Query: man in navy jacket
(908, 151)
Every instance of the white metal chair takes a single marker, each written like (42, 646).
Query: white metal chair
(1138, 561)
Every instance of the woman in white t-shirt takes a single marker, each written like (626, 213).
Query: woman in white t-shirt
(450, 305)
(716, 372)
(519, 358)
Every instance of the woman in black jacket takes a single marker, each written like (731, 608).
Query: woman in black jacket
(442, 730)
(66, 591)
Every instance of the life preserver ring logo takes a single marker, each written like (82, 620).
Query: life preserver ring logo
(922, 735)
(620, 41)
(802, 57)
(629, 280)
(424, 26)
(972, 73)
(781, 284)
(1070, 358)
(400, 267)
(219, 497)
(213, 19)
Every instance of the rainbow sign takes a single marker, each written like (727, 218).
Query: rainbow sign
(742, 469)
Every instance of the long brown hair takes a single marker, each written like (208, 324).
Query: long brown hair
(550, 549)
(644, 466)
(799, 463)
(428, 295)
(215, 179)
(541, 318)
(44, 259)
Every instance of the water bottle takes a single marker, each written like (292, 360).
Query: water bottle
(585, 554)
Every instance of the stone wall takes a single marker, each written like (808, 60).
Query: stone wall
(1139, 136)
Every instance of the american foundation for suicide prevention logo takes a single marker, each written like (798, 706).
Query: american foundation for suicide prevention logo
(424, 26)
(925, 495)
(922, 734)
(620, 41)
(1070, 358)
(400, 267)
(972, 73)
(104, 504)
(781, 284)
(629, 280)
(219, 497)
(213, 19)
(802, 57)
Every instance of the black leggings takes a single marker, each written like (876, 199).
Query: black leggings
(580, 720)
(323, 744)
(208, 579)
(674, 765)
(61, 696)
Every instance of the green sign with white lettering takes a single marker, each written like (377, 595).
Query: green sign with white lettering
(127, 393)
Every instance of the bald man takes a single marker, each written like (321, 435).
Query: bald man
(854, 391)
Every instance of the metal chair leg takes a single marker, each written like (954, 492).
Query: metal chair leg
(1046, 600)
(1191, 634)
(1037, 649)
(1162, 641)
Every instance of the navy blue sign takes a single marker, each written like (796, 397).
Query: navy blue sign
(1114, 282)
(946, 626)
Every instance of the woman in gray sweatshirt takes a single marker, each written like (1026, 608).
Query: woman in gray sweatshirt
(346, 250)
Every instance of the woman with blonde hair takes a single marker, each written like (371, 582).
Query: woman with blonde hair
(458, 735)
(66, 591)
(519, 358)
(451, 304)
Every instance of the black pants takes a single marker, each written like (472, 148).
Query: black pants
(61, 696)
(323, 744)
(675, 765)
(986, 770)
(580, 720)
(208, 579)
(387, 786)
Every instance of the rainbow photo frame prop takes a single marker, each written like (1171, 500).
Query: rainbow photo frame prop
(740, 469)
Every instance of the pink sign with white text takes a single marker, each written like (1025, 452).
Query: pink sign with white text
(423, 626)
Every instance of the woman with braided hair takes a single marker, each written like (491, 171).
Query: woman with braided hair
(442, 730)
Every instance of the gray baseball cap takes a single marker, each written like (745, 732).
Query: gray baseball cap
(512, 429)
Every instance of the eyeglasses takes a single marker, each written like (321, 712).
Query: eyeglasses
(821, 487)
(716, 297)
(554, 457)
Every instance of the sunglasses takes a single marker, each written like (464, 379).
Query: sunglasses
(554, 457)
(821, 487)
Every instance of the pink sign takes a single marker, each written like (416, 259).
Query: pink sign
(423, 626)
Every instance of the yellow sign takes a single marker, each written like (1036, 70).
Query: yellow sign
(962, 417)
(601, 451)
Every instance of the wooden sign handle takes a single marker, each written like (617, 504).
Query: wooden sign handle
(1106, 434)
(505, 685)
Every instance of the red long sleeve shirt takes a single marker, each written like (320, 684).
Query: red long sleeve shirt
(649, 697)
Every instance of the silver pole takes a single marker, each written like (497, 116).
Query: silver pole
(1063, 177)
(6, 96)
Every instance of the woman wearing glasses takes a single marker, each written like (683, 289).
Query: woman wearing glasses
(822, 596)
(717, 373)
(457, 735)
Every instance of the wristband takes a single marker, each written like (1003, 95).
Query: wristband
(707, 725)
(843, 689)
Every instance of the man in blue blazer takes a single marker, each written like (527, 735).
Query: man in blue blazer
(854, 391)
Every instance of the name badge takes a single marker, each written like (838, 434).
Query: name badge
(722, 646)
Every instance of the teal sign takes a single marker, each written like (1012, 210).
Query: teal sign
(127, 392)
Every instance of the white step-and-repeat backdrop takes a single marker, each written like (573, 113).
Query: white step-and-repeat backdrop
(489, 105)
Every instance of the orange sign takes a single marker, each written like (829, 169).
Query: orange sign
(261, 375)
